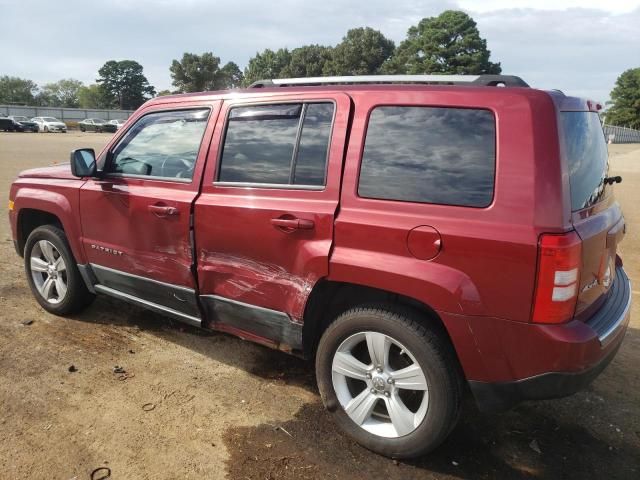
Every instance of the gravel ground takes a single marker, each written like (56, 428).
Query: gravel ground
(198, 404)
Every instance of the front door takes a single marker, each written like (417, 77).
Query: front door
(136, 219)
(264, 220)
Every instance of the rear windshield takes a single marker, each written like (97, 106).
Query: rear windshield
(587, 157)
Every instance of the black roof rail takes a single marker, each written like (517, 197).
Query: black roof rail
(478, 80)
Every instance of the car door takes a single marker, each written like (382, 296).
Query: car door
(264, 220)
(136, 218)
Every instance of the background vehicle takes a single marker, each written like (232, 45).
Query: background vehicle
(27, 125)
(8, 125)
(49, 124)
(407, 256)
(118, 122)
(96, 125)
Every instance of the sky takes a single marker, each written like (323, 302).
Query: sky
(578, 46)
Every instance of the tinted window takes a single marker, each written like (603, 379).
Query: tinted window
(429, 155)
(277, 144)
(312, 153)
(587, 157)
(163, 144)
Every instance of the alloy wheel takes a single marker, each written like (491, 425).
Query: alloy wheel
(49, 271)
(380, 385)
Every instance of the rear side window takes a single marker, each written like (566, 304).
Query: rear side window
(587, 157)
(283, 144)
(429, 155)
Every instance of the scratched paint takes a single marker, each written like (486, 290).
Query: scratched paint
(237, 276)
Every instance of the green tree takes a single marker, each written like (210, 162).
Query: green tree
(17, 90)
(124, 84)
(447, 44)
(232, 75)
(266, 65)
(93, 96)
(63, 93)
(625, 99)
(362, 51)
(199, 73)
(164, 93)
(307, 61)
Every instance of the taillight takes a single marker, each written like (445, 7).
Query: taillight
(558, 277)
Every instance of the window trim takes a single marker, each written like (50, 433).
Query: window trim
(294, 157)
(415, 105)
(109, 160)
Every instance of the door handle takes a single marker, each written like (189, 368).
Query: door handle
(163, 210)
(293, 223)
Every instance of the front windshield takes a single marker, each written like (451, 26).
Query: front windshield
(98, 120)
(50, 119)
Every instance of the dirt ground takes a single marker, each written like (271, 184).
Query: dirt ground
(197, 404)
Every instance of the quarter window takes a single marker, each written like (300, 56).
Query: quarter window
(429, 155)
(283, 144)
(163, 144)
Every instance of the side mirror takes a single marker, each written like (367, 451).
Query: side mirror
(83, 162)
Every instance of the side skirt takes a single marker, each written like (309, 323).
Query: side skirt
(261, 322)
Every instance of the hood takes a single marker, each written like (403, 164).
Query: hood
(62, 170)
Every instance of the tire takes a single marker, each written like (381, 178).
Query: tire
(83, 129)
(417, 428)
(46, 129)
(44, 245)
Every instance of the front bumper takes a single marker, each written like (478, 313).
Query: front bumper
(56, 128)
(514, 361)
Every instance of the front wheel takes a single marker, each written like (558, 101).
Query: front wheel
(46, 129)
(391, 381)
(52, 273)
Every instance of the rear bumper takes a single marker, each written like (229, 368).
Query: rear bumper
(507, 362)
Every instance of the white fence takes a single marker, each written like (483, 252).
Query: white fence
(615, 134)
(64, 114)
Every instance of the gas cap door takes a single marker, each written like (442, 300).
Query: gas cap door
(424, 242)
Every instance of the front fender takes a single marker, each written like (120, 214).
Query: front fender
(439, 286)
(61, 200)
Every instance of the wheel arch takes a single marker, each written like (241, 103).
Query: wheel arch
(328, 299)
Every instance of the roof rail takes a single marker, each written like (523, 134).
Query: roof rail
(474, 80)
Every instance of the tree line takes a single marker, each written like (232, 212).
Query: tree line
(449, 43)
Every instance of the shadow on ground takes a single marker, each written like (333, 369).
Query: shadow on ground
(527, 442)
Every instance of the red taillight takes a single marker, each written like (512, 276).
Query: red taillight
(558, 277)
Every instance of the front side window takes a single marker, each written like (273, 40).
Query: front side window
(163, 144)
(429, 155)
(284, 144)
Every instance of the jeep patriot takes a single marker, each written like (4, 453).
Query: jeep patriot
(418, 236)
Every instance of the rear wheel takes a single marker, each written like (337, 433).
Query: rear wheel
(391, 382)
(46, 129)
(52, 272)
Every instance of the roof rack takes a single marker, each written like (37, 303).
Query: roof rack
(474, 80)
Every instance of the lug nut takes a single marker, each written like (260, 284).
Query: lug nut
(391, 381)
(373, 390)
(386, 394)
(379, 369)
(368, 375)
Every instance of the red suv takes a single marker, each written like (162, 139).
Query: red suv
(416, 235)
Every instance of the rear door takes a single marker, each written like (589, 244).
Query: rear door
(136, 219)
(264, 220)
(597, 217)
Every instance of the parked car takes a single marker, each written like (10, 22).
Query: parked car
(27, 125)
(96, 125)
(118, 122)
(414, 239)
(50, 124)
(8, 125)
